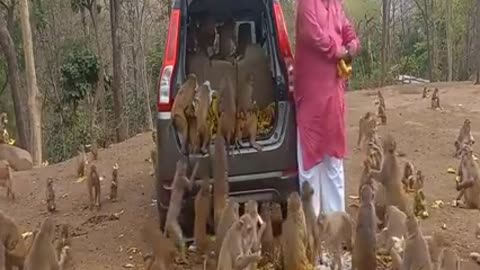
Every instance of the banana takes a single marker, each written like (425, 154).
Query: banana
(344, 70)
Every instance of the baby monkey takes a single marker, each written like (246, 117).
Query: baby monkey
(50, 196)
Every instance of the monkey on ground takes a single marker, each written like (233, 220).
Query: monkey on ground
(334, 229)
(436, 100)
(436, 243)
(251, 208)
(180, 183)
(267, 238)
(364, 249)
(205, 95)
(294, 235)
(226, 123)
(163, 250)
(202, 211)
(277, 219)
(230, 215)
(420, 204)
(114, 183)
(381, 114)
(183, 100)
(234, 251)
(408, 178)
(94, 150)
(425, 92)
(42, 255)
(6, 178)
(464, 137)
(12, 240)
(227, 44)
(375, 155)
(416, 254)
(313, 236)
(367, 125)
(50, 195)
(81, 162)
(93, 187)
(389, 176)
(469, 187)
(395, 227)
(381, 100)
(63, 239)
(419, 181)
(449, 260)
(220, 179)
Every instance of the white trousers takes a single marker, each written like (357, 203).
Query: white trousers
(327, 180)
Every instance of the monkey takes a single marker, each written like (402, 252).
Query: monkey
(12, 240)
(436, 100)
(244, 98)
(313, 237)
(81, 161)
(375, 154)
(114, 184)
(227, 40)
(202, 210)
(220, 179)
(254, 245)
(420, 204)
(229, 216)
(267, 238)
(464, 137)
(193, 138)
(419, 181)
(50, 196)
(93, 187)
(449, 260)
(205, 95)
(381, 114)
(364, 249)
(226, 124)
(183, 100)
(163, 250)
(206, 36)
(63, 240)
(408, 178)
(469, 188)
(4, 137)
(425, 92)
(6, 178)
(381, 100)
(436, 243)
(366, 127)
(94, 150)
(277, 219)
(389, 176)
(335, 228)
(180, 183)
(42, 253)
(294, 235)
(416, 254)
(233, 253)
(395, 227)
(251, 130)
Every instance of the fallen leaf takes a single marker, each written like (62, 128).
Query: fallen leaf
(451, 170)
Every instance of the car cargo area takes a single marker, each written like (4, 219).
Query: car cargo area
(254, 53)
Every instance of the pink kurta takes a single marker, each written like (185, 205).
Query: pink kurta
(322, 31)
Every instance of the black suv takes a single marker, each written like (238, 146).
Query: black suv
(263, 176)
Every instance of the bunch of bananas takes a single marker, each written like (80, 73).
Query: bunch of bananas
(265, 117)
(344, 69)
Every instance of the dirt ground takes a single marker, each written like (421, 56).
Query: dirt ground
(424, 135)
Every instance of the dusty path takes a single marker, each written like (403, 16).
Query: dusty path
(424, 135)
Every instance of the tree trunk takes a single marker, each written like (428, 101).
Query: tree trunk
(8, 48)
(385, 39)
(118, 99)
(448, 22)
(33, 97)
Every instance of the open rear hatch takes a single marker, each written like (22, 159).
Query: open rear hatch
(259, 50)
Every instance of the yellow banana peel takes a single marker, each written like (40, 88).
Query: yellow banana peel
(344, 69)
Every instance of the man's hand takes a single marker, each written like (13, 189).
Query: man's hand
(342, 53)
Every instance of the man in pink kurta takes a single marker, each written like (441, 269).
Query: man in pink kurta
(324, 35)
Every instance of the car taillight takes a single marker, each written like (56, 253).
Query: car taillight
(284, 45)
(165, 99)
